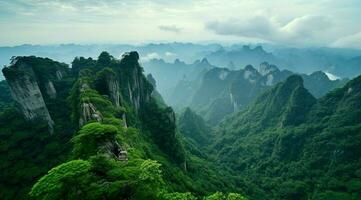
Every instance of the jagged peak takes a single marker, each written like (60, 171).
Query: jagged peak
(131, 56)
(259, 48)
(179, 62)
(286, 103)
(218, 73)
(204, 61)
(266, 68)
(249, 68)
(319, 75)
(41, 68)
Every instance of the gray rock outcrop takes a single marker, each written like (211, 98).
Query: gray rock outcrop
(26, 93)
(139, 90)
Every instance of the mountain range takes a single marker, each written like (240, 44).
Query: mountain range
(102, 129)
(342, 62)
(221, 91)
(290, 145)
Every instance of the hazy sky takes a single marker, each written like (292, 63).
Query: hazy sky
(334, 23)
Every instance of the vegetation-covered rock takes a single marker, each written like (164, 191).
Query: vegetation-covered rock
(297, 147)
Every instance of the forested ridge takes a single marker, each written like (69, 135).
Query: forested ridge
(100, 130)
(112, 137)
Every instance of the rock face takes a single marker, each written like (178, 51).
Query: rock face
(26, 93)
(114, 90)
(138, 89)
(89, 113)
(114, 150)
(115, 93)
(50, 90)
(265, 68)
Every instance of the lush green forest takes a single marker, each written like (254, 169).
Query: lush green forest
(113, 138)
(100, 130)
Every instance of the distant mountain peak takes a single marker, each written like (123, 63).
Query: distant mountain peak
(132, 55)
(287, 103)
(266, 68)
(319, 75)
(179, 62)
(204, 61)
(250, 68)
(259, 48)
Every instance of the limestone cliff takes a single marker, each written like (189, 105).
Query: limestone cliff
(88, 111)
(32, 82)
(136, 89)
(50, 89)
(26, 93)
(114, 90)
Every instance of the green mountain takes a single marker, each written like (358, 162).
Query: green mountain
(194, 127)
(288, 145)
(98, 130)
(222, 91)
(101, 130)
(169, 75)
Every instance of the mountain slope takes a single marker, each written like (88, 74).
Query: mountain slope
(223, 91)
(296, 146)
(193, 127)
(95, 132)
(169, 74)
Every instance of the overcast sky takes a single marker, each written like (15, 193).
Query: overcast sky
(335, 23)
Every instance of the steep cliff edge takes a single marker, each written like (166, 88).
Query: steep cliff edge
(90, 108)
(135, 87)
(26, 92)
(32, 82)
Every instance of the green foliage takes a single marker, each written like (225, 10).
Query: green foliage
(216, 196)
(221, 196)
(297, 147)
(27, 152)
(5, 96)
(66, 177)
(193, 127)
(91, 137)
(286, 145)
(80, 63)
(101, 78)
(330, 195)
(179, 196)
(161, 124)
(104, 59)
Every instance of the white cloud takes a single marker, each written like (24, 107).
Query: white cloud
(295, 22)
(170, 54)
(350, 41)
(308, 29)
(150, 56)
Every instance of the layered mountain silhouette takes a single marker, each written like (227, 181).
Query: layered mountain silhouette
(222, 91)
